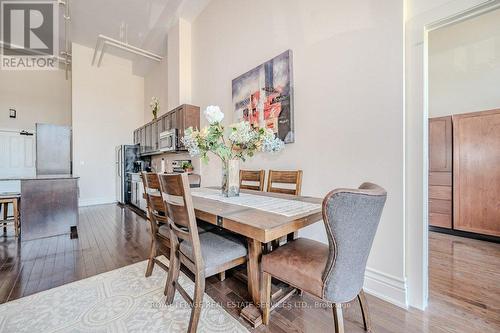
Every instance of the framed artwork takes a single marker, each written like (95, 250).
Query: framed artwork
(264, 96)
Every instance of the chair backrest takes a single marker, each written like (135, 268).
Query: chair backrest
(284, 177)
(181, 217)
(351, 218)
(252, 179)
(194, 180)
(157, 212)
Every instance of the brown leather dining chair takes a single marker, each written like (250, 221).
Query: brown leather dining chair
(204, 254)
(252, 179)
(334, 272)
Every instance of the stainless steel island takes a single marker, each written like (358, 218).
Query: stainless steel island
(49, 205)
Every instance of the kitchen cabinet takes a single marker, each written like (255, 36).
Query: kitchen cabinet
(142, 140)
(137, 189)
(179, 118)
(184, 117)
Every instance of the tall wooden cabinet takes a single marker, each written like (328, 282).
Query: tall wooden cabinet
(464, 172)
(476, 172)
(440, 172)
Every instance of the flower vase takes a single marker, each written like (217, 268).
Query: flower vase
(231, 178)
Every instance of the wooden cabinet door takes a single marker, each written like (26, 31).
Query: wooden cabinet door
(440, 167)
(476, 172)
(440, 144)
(149, 137)
(154, 136)
(142, 141)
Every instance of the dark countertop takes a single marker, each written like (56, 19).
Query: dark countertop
(41, 177)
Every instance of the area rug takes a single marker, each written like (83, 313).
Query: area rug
(122, 300)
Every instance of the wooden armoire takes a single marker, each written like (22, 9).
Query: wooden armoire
(464, 172)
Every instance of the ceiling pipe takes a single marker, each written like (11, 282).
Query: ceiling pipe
(104, 41)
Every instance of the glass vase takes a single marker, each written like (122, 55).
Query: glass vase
(231, 178)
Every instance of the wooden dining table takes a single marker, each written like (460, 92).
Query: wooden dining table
(259, 226)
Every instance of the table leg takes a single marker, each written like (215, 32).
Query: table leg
(252, 312)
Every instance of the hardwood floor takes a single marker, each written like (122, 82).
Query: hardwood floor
(464, 278)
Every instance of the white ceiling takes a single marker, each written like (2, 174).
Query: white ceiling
(147, 23)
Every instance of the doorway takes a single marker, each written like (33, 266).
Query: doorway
(463, 104)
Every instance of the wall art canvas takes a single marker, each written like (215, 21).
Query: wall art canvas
(264, 96)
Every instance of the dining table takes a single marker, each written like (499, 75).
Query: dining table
(261, 217)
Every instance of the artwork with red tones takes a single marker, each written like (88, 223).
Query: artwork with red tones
(263, 96)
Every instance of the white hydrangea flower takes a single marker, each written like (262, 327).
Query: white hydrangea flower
(272, 144)
(190, 142)
(213, 114)
(242, 133)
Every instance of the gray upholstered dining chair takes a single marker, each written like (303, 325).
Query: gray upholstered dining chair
(204, 254)
(333, 272)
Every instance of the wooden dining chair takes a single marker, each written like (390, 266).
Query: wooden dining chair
(291, 183)
(203, 254)
(252, 179)
(335, 272)
(276, 178)
(157, 216)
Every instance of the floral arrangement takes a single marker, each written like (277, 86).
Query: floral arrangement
(241, 141)
(155, 106)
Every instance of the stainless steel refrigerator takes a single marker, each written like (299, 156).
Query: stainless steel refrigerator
(53, 149)
(126, 155)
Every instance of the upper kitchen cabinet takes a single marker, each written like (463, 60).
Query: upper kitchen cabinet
(184, 117)
(180, 118)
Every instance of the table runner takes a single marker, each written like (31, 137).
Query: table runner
(269, 204)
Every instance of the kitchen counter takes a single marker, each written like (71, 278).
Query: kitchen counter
(49, 204)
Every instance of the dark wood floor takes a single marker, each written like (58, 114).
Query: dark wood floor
(464, 278)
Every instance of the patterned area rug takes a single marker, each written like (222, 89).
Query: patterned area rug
(122, 300)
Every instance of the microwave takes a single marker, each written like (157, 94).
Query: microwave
(168, 140)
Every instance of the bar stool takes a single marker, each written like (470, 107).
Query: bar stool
(5, 200)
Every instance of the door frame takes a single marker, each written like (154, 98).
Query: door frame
(417, 29)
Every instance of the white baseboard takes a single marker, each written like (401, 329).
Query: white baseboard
(387, 287)
(96, 201)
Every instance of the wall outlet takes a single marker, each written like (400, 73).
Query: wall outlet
(12, 113)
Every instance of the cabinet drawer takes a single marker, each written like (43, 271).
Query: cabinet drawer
(440, 192)
(440, 178)
(440, 206)
(440, 220)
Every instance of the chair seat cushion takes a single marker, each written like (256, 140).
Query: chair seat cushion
(300, 263)
(216, 249)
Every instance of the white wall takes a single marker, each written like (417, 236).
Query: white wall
(38, 97)
(464, 66)
(108, 105)
(348, 81)
(155, 84)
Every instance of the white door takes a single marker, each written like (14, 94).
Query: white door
(17, 154)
